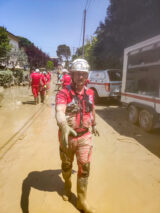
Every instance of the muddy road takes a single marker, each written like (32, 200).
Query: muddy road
(125, 169)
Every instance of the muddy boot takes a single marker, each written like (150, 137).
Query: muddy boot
(67, 190)
(42, 98)
(67, 185)
(37, 100)
(82, 193)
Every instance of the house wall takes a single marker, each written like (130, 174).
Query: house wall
(14, 43)
(15, 46)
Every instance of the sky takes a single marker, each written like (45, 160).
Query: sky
(49, 23)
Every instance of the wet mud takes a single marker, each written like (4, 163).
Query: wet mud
(125, 166)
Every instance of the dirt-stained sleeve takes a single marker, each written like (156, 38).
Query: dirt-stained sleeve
(61, 103)
(94, 114)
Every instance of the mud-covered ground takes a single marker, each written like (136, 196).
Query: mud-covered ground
(125, 169)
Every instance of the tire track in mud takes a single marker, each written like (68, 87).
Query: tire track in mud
(19, 135)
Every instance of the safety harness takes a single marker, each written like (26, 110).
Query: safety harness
(79, 105)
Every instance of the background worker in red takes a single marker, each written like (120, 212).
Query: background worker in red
(35, 82)
(43, 86)
(75, 116)
(66, 79)
(48, 76)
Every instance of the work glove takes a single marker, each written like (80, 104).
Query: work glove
(65, 132)
(95, 131)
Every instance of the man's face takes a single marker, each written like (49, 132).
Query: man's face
(80, 78)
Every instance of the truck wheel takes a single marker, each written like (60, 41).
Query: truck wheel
(146, 120)
(133, 114)
(96, 97)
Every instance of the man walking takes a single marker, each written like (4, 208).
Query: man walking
(66, 79)
(43, 86)
(35, 82)
(75, 115)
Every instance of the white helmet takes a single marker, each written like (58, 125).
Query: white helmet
(80, 65)
(37, 70)
(64, 70)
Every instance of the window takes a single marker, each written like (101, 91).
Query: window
(115, 75)
(146, 56)
(97, 75)
(144, 81)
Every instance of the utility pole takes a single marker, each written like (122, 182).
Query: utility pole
(73, 50)
(84, 27)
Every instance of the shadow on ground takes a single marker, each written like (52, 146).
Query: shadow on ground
(29, 102)
(48, 180)
(116, 116)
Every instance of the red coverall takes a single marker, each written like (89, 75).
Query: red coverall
(43, 85)
(48, 76)
(80, 121)
(35, 83)
(66, 80)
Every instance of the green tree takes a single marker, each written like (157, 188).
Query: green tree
(127, 22)
(88, 51)
(63, 51)
(50, 65)
(24, 42)
(36, 57)
(5, 46)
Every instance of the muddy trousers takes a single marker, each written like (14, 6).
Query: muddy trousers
(35, 91)
(81, 146)
(42, 95)
(66, 173)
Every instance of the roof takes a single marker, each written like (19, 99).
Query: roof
(13, 36)
(142, 44)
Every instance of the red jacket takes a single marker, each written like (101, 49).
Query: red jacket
(79, 107)
(66, 80)
(35, 78)
(43, 80)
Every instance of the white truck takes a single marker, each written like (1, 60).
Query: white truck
(141, 83)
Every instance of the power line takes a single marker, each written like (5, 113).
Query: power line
(83, 4)
(81, 32)
(89, 3)
(84, 27)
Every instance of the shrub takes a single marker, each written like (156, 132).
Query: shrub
(6, 77)
(19, 75)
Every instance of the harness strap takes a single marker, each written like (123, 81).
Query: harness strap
(79, 101)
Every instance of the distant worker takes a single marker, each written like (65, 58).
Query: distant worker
(75, 115)
(66, 79)
(43, 86)
(48, 76)
(35, 83)
(59, 82)
(58, 73)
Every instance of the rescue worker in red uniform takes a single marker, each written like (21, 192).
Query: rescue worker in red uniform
(48, 76)
(66, 79)
(35, 82)
(75, 115)
(43, 86)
